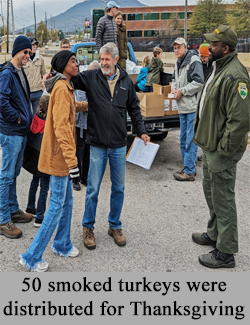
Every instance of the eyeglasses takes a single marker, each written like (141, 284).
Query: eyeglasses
(27, 52)
(65, 47)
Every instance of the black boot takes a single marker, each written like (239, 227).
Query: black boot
(203, 239)
(216, 259)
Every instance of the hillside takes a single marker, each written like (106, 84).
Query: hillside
(75, 16)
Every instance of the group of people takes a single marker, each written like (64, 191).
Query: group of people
(106, 135)
(213, 115)
(110, 29)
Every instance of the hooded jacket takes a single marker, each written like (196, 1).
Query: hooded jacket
(225, 117)
(58, 150)
(35, 70)
(188, 76)
(106, 31)
(154, 72)
(107, 115)
(142, 78)
(122, 46)
(14, 102)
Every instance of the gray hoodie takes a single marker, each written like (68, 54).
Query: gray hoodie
(49, 83)
(190, 80)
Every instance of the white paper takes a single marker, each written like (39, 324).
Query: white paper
(171, 95)
(166, 104)
(174, 105)
(142, 155)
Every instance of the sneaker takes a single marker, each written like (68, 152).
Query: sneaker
(21, 217)
(38, 223)
(216, 259)
(89, 238)
(9, 230)
(32, 211)
(184, 177)
(76, 187)
(203, 239)
(118, 236)
(74, 252)
(41, 267)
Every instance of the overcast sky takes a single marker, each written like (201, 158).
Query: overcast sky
(24, 15)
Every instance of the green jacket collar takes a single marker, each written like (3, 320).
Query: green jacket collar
(221, 63)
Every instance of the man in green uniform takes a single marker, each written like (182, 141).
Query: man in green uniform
(220, 129)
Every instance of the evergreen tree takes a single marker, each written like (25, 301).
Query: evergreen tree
(61, 34)
(207, 15)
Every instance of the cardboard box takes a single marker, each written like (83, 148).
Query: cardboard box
(165, 90)
(151, 104)
(170, 107)
(133, 77)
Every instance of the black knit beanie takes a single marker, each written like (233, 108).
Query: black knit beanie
(21, 43)
(60, 60)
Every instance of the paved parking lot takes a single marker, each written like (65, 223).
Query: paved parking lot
(159, 216)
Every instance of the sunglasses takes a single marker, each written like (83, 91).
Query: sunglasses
(27, 52)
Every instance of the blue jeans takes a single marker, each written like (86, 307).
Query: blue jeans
(98, 162)
(12, 155)
(34, 98)
(188, 148)
(41, 204)
(59, 214)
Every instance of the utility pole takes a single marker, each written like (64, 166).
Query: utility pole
(34, 5)
(13, 24)
(2, 8)
(51, 27)
(8, 25)
(185, 23)
(46, 22)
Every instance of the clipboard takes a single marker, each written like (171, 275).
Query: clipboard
(142, 155)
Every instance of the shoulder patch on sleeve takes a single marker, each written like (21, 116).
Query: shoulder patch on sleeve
(242, 89)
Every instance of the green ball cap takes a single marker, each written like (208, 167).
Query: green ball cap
(224, 34)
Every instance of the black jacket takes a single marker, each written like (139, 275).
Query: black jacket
(207, 69)
(106, 31)
(107, 116)
(33, 146)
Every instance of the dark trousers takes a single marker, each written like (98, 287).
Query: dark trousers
(82, 154)
(219, 175)
(44, 188)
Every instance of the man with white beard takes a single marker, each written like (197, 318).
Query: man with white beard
(111, 95)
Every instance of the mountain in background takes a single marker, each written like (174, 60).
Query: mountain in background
(75, 16)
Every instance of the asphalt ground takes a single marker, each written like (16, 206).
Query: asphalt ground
(158, 216)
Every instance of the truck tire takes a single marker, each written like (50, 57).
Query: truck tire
(159, 137)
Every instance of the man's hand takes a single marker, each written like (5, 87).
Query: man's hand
(177, 94)
(173, 91)
(45, 77)
(145, 138)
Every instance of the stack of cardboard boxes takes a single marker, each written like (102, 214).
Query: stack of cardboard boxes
(158, 102)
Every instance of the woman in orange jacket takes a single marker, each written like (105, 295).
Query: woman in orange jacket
(58, 159)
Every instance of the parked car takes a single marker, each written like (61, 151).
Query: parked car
(87, 52)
